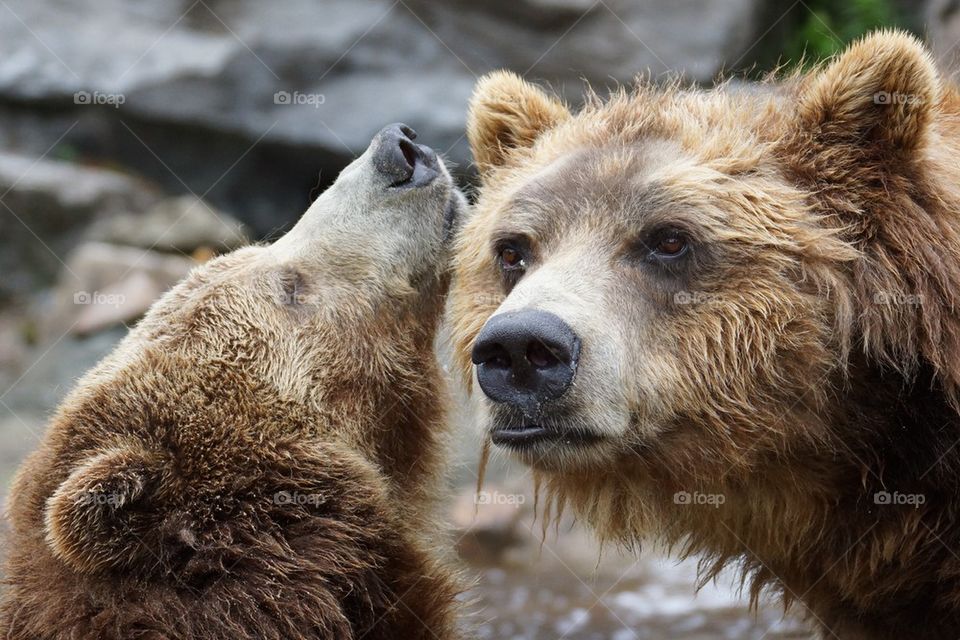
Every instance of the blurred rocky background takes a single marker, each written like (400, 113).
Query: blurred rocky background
(141, 137)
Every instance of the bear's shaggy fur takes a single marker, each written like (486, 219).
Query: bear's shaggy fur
(259, 458)
(783, 395)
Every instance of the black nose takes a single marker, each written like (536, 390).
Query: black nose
(400, 160)
(525, 358)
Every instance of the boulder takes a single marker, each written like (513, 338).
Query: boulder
(45, 207)
(182, 225)
(246, 102)
(943, 32)
(103, 285)
(490, 522)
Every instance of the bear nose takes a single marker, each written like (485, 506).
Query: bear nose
(400, 160)
(525, 358)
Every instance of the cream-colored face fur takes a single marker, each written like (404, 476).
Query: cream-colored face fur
(706, 292)
(664, 337)
(329, 300)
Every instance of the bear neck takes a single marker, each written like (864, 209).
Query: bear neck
(875, 492)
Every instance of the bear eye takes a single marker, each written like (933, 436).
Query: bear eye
(669, 245)
(511, 259)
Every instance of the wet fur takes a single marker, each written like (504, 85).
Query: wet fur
(801, 396)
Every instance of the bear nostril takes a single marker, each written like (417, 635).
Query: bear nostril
(409, 152)
(540, 355)
(493, 355)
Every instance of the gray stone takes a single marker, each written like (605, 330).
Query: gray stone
(119, 303)
(943, 33)
(182, 224)
(182, 90)
(45, 207)
(104, 284)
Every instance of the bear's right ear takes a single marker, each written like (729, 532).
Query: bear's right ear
(507, 113)
(94, 519)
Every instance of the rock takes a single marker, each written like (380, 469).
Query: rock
(46, 372)
(118, 303)
(943, 32)
(488, 522)
(45, 206)
(563, 41)
(249, 100)
(181, 225)
(13, 348)
(103, 285)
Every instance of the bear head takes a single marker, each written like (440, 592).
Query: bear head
(674, 288)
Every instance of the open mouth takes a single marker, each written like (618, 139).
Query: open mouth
(521, 437)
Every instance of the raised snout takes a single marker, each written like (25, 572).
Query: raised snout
(525, 358)
(400, 160)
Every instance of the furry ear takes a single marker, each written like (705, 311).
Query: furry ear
(92, 520)
(877, 95)
(881, 169)
(507, 113)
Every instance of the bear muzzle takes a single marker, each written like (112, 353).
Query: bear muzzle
(405, 164)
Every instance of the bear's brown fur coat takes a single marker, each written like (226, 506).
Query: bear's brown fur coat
(260, 457)
(801, 360)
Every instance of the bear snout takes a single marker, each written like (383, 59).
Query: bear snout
(402, 162)
(525, 358)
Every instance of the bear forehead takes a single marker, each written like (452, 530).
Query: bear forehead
(726, 121)
(621, 186)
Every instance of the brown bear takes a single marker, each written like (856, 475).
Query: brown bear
(728, 319)
(259, 458)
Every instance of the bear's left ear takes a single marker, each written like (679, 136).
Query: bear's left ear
(877, 96)
(508, 113)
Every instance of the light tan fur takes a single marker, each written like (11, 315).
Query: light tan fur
(805, 357)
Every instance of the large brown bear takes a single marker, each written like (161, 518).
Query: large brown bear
(728, 319)
(259, 458)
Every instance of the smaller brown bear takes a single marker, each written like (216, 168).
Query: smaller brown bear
(259, 458)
